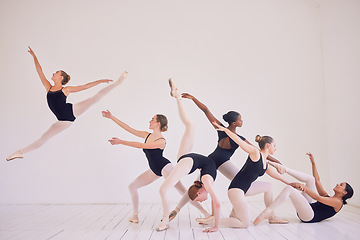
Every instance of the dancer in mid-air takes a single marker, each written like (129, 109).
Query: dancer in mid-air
(187, 163)
(153, 148)
(65, 113)
(222, 154)
(325, 206)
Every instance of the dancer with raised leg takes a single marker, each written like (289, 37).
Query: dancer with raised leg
(153, 148)
(66, 113)
(188, 163)
(222, 154)
(244, 182)
(325, 206)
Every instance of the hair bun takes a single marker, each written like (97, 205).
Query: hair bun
(198, 184)
(258, 138)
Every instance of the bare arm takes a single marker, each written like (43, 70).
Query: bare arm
(150, 145)
(142, 134)
(248, 148)
(208, 182)
(203, 108)
(72, 89)
(274, 174)
(43, 79)
(315, 173)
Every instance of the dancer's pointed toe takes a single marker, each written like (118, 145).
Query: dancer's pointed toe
(17, 154)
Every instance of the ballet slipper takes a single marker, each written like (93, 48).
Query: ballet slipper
(173, 214)
(277, 220)
(266, 214)
(121, 78)
(206, 220)
(174, 92)
(17, 154)
(162, 226)
(134, 218)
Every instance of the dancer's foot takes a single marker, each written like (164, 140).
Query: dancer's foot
(266, 214)
(162, 226)
(121, 78)
(17, 154)
(134, 218)
(277, 220)
(174, 92)
(173, 214)
(207, 220)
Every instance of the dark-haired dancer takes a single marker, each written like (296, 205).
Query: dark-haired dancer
(222, 154)
(324, 207)
(66, 113)
(153, 148)
(254, 167)
(188, 163)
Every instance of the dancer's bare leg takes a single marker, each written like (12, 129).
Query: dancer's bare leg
(81, 107)
(300, 203)
(54, 129)
(142, 180)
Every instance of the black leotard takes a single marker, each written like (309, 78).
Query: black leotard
(321, 212)
(248, 174)
(57, 104)
(155, 158)
(206, 165)
(221, 155)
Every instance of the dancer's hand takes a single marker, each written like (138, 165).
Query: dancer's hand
(106, 114)
(105, 81)
(218, 127)
(213, 229)
(187, 95)
(115, 141)
(298, 186)
(312, 160)
(31, 52)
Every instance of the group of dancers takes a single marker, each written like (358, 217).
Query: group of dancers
(243, 182)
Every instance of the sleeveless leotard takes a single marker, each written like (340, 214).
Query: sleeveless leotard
(57, 104)
(248, 174)
(205, 164)
(221, 155)
(155, 158)
(321, 212)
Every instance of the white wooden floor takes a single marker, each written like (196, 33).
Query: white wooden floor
(111, 222)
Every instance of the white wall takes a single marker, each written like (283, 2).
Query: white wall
(262, 58)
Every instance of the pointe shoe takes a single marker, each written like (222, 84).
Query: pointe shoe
(173, 214)
(122, 77)
(266, 214)
(162, 226)
(134, 218)
(277, 220)
(174, 92)
(17, 154)
(206, 220)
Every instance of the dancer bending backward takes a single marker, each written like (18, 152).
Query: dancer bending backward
(188, 163)
(324, 207)
(254, 167)
(66, 113)
(221, 156)
(153, 148)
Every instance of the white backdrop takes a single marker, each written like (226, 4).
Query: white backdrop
(262, 58)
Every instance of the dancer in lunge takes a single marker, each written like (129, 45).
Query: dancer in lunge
(153, 148)
(65, 113)
(222, 154)
(188, 163)
(325, 206)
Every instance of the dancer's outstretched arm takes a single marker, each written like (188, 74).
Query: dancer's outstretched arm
(148, 145)
(208, 182)
(318, 184)
(274, 174)
(43, 79)
(203, 108)
(142, 134)
(250, 149)
(72, 89)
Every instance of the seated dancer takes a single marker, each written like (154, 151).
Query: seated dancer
(65, 113)
(324, 207)
(153, 148)
(188, 163)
